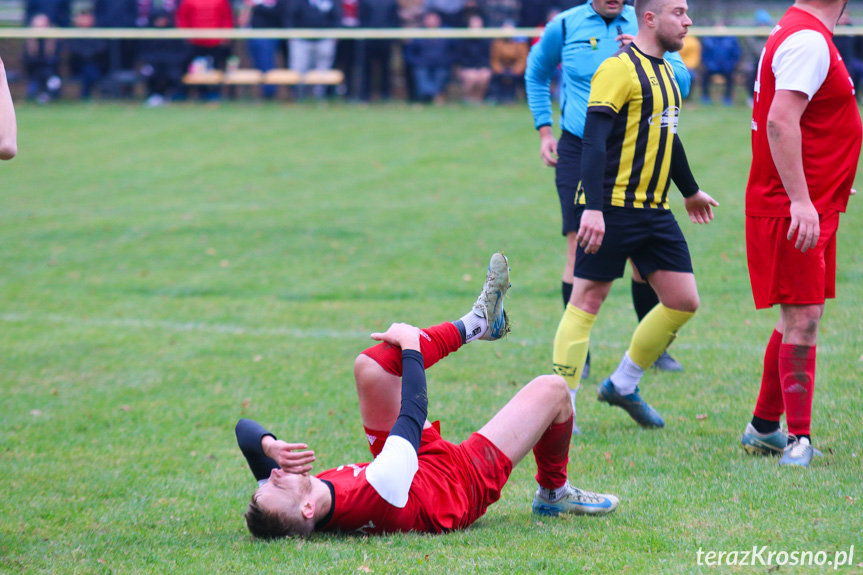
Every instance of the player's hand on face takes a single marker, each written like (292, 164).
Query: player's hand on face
(625, 40)
(804, 221)
(402, 335)
(591, 231)
(700, 207)
(548, 149)
(291, 457)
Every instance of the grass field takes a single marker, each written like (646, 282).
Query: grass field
(165, 272)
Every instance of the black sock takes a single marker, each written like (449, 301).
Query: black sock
(459, 324)
(566, 289)
(764, 425)
(643, 298)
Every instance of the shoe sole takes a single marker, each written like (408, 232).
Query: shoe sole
(761, 448)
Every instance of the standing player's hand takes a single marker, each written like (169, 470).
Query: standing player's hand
(700, 207)
(804, 221)
(591, 231)
(287, 456)
(401, 335)
(548, 146)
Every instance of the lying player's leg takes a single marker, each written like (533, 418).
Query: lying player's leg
(539, 418)
(378, 369)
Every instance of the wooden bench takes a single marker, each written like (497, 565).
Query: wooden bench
(253, 77)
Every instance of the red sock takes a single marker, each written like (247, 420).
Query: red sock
(770, 405)
(435, 344)
(797, 373)
(552, 454)
(376, 439)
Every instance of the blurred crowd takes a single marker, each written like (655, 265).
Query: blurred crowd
(419, 70)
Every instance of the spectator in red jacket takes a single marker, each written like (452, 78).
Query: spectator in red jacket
(207, 14)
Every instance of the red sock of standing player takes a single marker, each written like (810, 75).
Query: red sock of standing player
(552, 455)
(797, 374)
(436, 343)
(770, 405)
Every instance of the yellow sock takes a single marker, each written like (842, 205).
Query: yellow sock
(571, 343)
(655, 333)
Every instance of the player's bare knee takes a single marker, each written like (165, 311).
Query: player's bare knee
(366, 371)
(554, 386)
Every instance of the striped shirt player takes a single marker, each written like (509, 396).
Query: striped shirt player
(631, 153)
(806, 141)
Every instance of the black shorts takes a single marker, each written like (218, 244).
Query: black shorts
(651, 238)
(567, 176)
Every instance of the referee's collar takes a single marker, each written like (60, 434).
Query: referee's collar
(627, 15)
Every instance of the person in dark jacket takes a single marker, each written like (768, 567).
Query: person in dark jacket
(719, 56)
(313, 54)
(431, 60)
(118, 14)
(58, 11)
(162, 62)
(472, 59)
(88, 57)
(377, 53)
(259, 14)
(41, 61)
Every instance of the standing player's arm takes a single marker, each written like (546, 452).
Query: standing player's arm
(542, 61)
(393, 470)
(699, 205)
(8, 124)
(786, 147)
(597, 128)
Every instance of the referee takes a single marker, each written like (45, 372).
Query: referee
(631, 152)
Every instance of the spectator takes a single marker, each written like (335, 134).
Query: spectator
(377, 53)
(264, 14)
(501, 12)
(472, 58)
(508, 62)
(88, 57)
(752, 47)
(410, 16)
(719, 56)
(431, 59)
(162, 62)
(850, 49)
(348, 53)
(320, 54)
(449, 11)
(41, 60)
(534, 13)
(691, 56)
(146, 8)
(57, 11)
(122, 53)
(207, 14)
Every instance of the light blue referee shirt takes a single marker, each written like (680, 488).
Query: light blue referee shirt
(581, 40)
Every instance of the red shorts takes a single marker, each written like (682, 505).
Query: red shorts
(782, 274)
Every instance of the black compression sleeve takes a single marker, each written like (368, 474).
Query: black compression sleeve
(681, 173)
(414, 408)
(249, 435)
(597, 128)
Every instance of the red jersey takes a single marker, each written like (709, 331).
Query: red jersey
(205, 14)
(830, 125)
(451, 489)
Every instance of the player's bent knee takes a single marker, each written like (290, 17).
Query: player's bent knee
(366, 371)
(553, 385)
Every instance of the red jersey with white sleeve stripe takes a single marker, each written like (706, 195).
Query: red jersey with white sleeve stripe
(800, 56)
(452, 488)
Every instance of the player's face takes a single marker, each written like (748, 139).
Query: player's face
(608, 8)
(283, 490)
(672, 24)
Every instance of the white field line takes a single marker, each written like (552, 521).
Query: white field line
(300, 333)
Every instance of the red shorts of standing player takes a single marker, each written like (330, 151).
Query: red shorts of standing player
(418, 481)
(806, 139)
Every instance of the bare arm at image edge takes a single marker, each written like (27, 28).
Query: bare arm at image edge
(8, 125)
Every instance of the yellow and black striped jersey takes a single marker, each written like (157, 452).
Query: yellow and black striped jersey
(640, 91)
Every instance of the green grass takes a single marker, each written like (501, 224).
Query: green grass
(165, 272)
